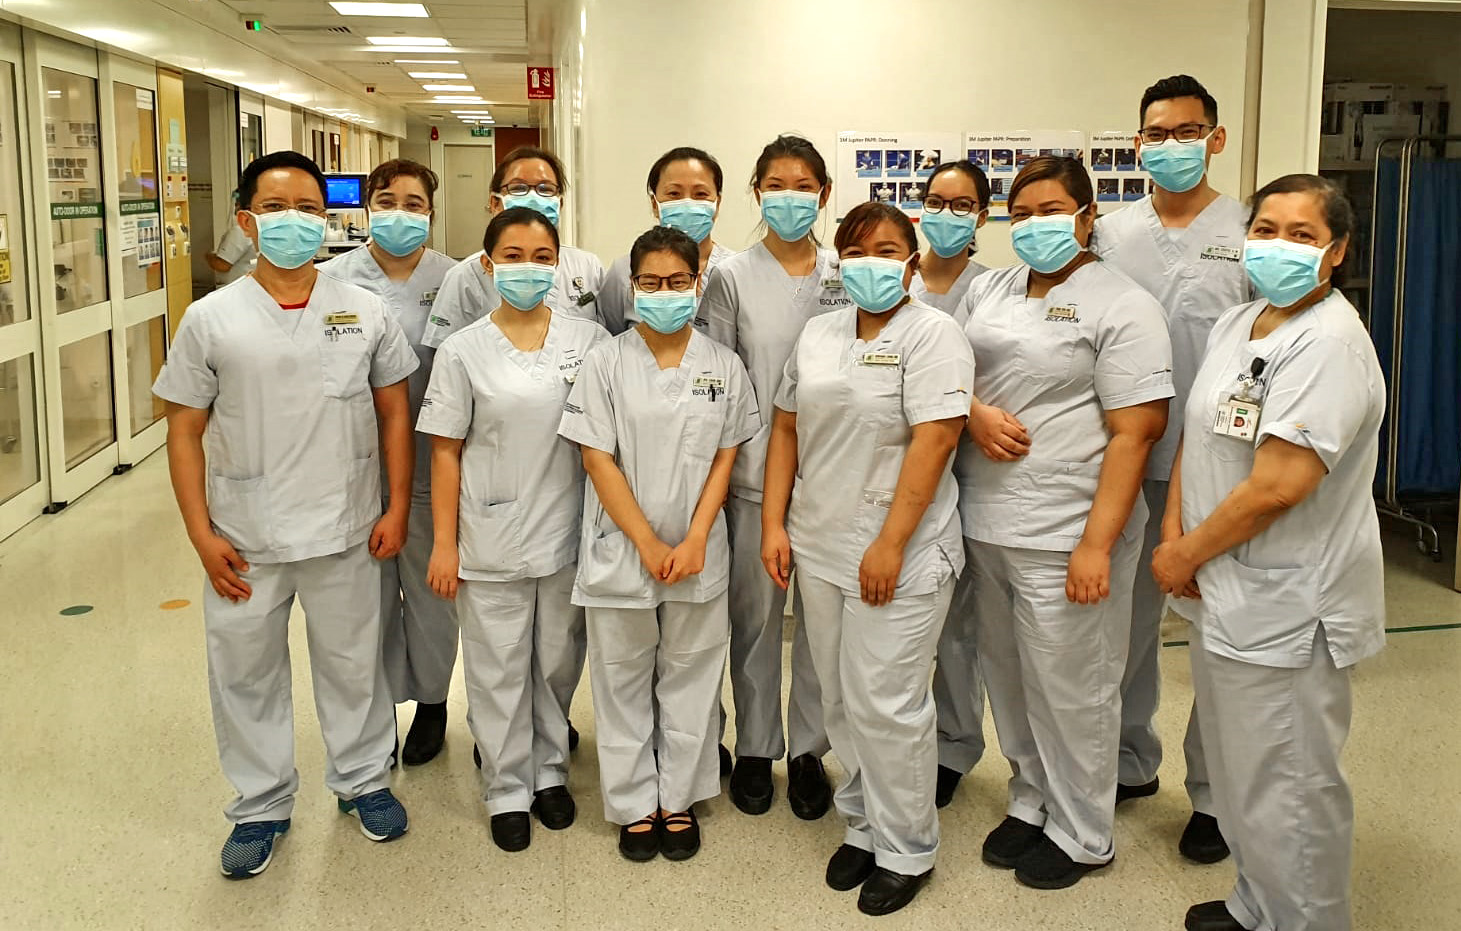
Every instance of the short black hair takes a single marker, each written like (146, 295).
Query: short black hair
(525, 153)
(685, 153)
(1179, 85)
(664, 239)
(516, 216)
(1338, 211)
(975, 174)
(386, 173)
(248, 181)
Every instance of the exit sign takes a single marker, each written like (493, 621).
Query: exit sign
(485, 131)
(540, 83)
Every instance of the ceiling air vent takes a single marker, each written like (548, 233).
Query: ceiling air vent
(305, 31)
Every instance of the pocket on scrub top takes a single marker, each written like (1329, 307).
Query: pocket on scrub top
(1259, 610)
(609, 566)
(872, 512)
(239, 511)
(702, 429)
(346, 368)
(489, 536)
(1047, 354)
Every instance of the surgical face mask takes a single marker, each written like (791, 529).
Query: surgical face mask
(1046, 244)
(523, 284)
(1283, 272)
(947, 234)
(1175, 166)
(694, 218)
(288, 238)
(399, 232)
(791, 214)
(666, 311)
(547, 206)
(875, 284)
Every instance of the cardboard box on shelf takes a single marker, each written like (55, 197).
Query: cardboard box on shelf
(1427, 101)
(1345, 105)
(1376, 128)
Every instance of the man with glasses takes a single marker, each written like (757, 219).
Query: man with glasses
(1184, 244)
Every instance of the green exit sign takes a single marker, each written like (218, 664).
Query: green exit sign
(484, 131)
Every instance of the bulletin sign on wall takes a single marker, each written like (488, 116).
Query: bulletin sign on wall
(1003, 154)
(890, 167)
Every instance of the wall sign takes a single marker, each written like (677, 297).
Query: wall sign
(540, 83)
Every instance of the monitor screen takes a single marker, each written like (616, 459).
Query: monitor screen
(345, 192)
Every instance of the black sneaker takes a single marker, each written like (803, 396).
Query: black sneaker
(1201, 841)
(1126, 793)
(1211, 916)
(477, 755)
(428, 731)
(640, 846)
(679, 835)
(554, 807)
(512, 830)
(750, 785)
(849, 868)
(807, 788)
(948, 781)
(726, 763)
(572, 737)
(1010, 841)
(886, 891)
(1046, 866)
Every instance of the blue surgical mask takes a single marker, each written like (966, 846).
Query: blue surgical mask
(791, 214)
(1283, 272)
(666, 311)
(523, 284)
(547, 206)
(399, 232)
(1175, 166)
(1046, 244)
(874, 283)
(288, 238)
(947, 234)
(694, 218)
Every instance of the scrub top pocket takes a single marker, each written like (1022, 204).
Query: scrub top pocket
(703, 423)
(1259, 610)
(346, 369)
(239, 510)
(489, 537)
(609, 566)
(1046, 352)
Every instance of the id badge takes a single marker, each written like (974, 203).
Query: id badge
(1237, 417)
(881, 358)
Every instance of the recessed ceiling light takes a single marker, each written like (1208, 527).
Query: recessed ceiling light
(407, 48)
(464, 88)
(445, 75)
(472, 112)
(427, 61)
(457, 98)
(402, 10)
(407, 41)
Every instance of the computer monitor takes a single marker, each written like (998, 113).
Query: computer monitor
(345, 192)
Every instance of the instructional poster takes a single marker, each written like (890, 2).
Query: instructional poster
(1116, 170)
(1002, 155)
(890, 167)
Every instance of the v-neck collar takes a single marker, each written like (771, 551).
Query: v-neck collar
(308, 315)
(804, 292)
(671, 382)
(1172, 249)
(531, 363)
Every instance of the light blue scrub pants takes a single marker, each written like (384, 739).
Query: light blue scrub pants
(419, 628)
(958, 687)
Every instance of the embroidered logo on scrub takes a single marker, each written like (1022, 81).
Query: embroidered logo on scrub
(711, 386)
(1222, 254)
(568, 364)
(428, 298)
(439, 320)
(1061, 315)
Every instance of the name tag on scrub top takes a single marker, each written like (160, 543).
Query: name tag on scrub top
(338, 319)
(1062, 314)
(1237, 417)
(881, 358)
(1222, 254)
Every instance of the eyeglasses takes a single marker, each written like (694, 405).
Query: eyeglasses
(679, 281)
(518, 188)
(1187, 132)
(313, 210)
(959, 206)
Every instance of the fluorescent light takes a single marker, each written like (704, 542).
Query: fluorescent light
(408, 41)
(380, 9)
(472, 112)
(446, 75)
(458, 98)
(407, 48)
(427, 61)
(464, 88)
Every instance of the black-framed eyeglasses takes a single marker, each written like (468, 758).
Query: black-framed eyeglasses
(519, 188)
(314, 210)
(679, 281)
(1187, 132)
(959, 206)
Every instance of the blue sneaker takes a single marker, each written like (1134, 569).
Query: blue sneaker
(381, 816)
(250, 847)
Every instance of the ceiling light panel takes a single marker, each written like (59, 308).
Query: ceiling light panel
(442, 75)
(400, 10)
(464, 88)
(421, 42)
(458, 99)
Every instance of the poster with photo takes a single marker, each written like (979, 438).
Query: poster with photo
(1116, 170)
(892, 168)
(1003, 154)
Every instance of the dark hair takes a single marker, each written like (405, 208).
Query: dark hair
(975, 174)
(861, 220)
(386, 173)
(523, 153)
(1070, 172)
(684, 153)
(1338, 212)
(789, 146)
(515, 216)
(248, 180)
(664, 239)
(1179, 85)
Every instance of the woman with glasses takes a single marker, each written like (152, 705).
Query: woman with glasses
(420, 630)
(954, 207)
(860, 494)
(529, 177)
(756, 304)
(506, 495)
(658, 413)
(1074, 357)
(684, 192)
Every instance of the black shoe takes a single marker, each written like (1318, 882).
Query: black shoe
(512, 830)
(886, 891)
(750, 785)
(1010, 841)
(424, 739)
(948, 781)
(849, 868)
(726, 764)
(1211, 916)
(554, 807)
(1125, 793)
(1046, 866)
(1201, 841)
(807, 788)
(681, 844)
(477, 755)
(572, 737)
(640, 846)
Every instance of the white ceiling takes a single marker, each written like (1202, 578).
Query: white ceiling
(488, 39)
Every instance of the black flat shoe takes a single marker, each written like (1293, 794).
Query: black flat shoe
(428, 731)
(572, 737)
(750, 785)
(1046, 866)
(726, 764)
(1127, 793)
(849, 868)
(1201, 841)
(477, 755)
(1010, 841)
(1211, 916)
(807, 788)
(679, 835)
(512, 831)
(886, 891)
(640, 846)
(948, 781)
(554, 807)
